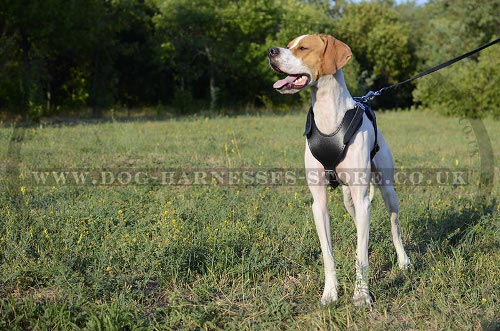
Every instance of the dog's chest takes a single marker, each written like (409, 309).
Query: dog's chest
(330, 149)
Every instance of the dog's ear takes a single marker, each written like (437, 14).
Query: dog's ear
(336, 54)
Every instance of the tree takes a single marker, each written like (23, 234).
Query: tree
(218, 48)
(468, 87)
(76, 54)
(141, 77)
(381, 50)
(57, 55)
(46, 42)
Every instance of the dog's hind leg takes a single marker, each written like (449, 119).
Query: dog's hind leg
(384, 167)
(391, 203)
(373, 187)
(348, 203)
(317, 185)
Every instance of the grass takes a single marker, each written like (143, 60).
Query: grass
(236, 257)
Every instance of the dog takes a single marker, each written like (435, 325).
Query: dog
(316, 61)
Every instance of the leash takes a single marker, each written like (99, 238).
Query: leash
(371, 95)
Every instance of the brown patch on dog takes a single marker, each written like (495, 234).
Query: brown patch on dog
(322, 53)
(337, 54)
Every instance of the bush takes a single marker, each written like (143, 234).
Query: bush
(468, 88)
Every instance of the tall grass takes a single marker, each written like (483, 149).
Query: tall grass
(235, 257)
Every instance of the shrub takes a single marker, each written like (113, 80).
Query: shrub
(468, 88)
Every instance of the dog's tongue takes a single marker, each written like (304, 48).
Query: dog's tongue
(282, 82)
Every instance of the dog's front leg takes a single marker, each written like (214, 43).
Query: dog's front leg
(361, 200)
(316, 181)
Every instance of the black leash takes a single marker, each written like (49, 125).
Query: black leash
(371, 95)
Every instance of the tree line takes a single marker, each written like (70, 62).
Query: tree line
(58, 56)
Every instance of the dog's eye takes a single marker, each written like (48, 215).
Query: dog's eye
(302, 48)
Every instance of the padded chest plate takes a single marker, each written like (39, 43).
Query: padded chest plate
(330, 149)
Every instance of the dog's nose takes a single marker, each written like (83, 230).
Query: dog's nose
(273, 51)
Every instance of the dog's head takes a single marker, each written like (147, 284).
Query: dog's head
(306, 59)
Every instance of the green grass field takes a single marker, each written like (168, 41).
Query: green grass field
(237, 257)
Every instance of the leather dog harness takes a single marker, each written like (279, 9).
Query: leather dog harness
(330, 149)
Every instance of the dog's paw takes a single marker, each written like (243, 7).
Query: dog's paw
(405, 263)
(329, 296)
(361, 298)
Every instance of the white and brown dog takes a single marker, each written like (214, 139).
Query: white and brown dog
(315, 61)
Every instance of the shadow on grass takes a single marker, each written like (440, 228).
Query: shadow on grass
(490, 325)
(455, 226)
(145, 115)
(469, 227)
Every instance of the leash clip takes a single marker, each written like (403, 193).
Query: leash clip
(370, 96)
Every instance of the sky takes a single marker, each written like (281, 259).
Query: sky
(419, 2)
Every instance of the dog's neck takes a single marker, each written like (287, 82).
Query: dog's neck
(330, 101)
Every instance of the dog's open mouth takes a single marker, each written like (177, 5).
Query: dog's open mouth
(291, 83)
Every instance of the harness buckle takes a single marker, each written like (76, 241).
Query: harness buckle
(332, 178)
(330, 172)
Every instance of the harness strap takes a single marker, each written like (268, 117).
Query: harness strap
(371, 116)
(330, 149)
